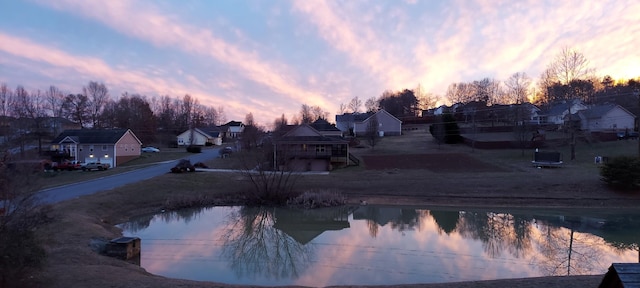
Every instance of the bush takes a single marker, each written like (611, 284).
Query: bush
(622, 172)
(194, 149)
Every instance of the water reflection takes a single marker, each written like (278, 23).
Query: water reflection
(379, 245)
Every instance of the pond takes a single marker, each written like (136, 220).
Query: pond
(381, 245)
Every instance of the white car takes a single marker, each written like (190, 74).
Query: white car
(150, 149)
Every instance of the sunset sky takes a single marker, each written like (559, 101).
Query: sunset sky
(270, 57)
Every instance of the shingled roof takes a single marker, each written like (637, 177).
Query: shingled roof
(97, 136)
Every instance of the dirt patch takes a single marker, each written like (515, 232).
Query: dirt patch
(442, 162)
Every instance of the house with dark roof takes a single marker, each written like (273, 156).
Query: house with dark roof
(303, 148)
(326, 129)
(200, 137)
(357, 124)
(606, 117)
(232, 130)
(112, 146)
(556, 113)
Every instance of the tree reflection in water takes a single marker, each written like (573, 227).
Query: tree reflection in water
(497, 231)
(255, 247)
(277, 244)
(565, 252)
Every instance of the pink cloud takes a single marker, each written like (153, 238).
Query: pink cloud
(160, 29)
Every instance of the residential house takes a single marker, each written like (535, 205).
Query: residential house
(200, 137)
(525, 112)
(556, 113)
(606, 117)
(303, 148)
(113, 146)
(232, 130)
(326, 129)
(358, 124)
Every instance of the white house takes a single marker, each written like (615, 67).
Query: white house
(557, 113)
(356, 124)
(610, 117)
(199, 137)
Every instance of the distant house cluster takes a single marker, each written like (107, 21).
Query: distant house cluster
(572, 113)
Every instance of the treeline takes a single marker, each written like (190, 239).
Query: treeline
(95, 108)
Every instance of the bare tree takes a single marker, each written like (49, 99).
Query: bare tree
(55, 100)
(459, 93)
(518, 91)
(571, 65)
(98, 95)
(280, 123)
(354, 104)
(31, 108)
(371, 105)
(319, 113)
(5, 99)
(372, 134)
(568, 67)
(342, 109)
(222, 117)
(426, 100)
(518, 88)
(23, 253)
(76, 107)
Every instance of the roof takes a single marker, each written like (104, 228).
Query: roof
(306, 133)
(232, 123)
(324, 125)
(311, 139)
(561, 107)
(353, 117)
(598, 111)
(209, 132)
(101, 136)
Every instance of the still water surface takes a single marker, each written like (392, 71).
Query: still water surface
(380, 245)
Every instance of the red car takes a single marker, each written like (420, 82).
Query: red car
(67, 165)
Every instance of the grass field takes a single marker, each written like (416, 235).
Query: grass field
(77, 223)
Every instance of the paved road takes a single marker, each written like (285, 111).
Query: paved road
(66, 192)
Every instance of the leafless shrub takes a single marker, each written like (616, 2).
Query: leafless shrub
(21, 214)
(317, 199)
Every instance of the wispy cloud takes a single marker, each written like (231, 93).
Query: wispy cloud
(92, 69)
(161, 29)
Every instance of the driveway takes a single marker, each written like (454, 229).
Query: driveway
(71, 191)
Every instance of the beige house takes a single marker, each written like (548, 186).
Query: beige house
(199, 137)
(112, 146)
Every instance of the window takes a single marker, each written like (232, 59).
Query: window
(104, 147)
(320, 149)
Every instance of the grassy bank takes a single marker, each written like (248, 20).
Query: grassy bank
(78, 223)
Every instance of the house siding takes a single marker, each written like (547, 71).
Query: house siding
(199, 138)
(614, 120)
(388, 124)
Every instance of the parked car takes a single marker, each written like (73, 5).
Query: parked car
(226, 151)
(95, 166)
(150, 149)
(627, 135)
(67, 165)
